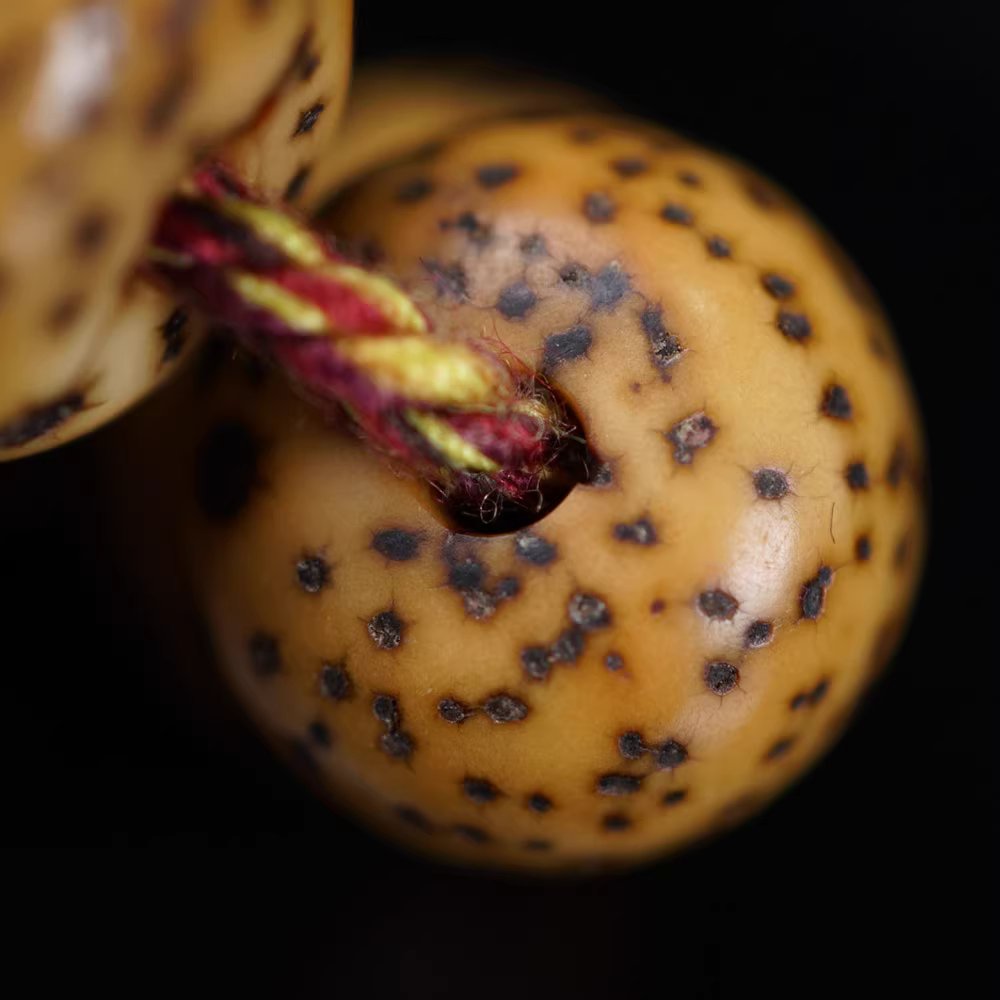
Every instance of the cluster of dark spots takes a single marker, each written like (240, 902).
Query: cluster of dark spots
(477, 232)
(468, 577)
(412, 816)
(394, 742)
(690, 435)
(533, 245)
(779, 748)
(566, 346)
(172, 332)
(39, 421)
(167, 100)
(639, 532)
(758, 633)
(308, 118)
(319, 733)
(677, 214)
(449, 279)
(480, 790)
(719, 247)
(516, 300)
(265, 654)
(863, 548)
(91, 232)
(689, 178)
(538, 802)
(664, 347)
(608, 287)
(534, 549)
(674, 797)
(413, 190)
(616, 822)
(64, 312)
(777, 286)
(598, 207)
(720, 677)
(629, 166)
(226, 470)
(836, 403)
(770, 484)
(614, 662)
(589, 612)
(795, 326)
(397, 544)
(538, 845)
(473, 834)
(313, 573)
(717, 604)
(493, 175)
(813, 595)
(386, 629)
(335, 682)
(856, 475)
(899, 464)
(618, 784)
(808, 699)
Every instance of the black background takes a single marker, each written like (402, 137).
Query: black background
(873, 873)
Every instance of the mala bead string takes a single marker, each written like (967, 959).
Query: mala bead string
(353, 342)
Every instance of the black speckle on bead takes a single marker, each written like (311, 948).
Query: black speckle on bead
(297, 184)
(473, 834)
(414, 817)
(536, 663)
(758, 634)
(717, 604)
(629, 166)
(863, 548)
(516, 300)
(856, 475)
(386, 629)
(719, 247)
(480, 790)
(664, 346)
(319, 733)
(608, 287)
(670, 755)
(539, 803)
(689, 178)
(779, 748)
(507, 588)
(502, 708)
(568, 648)
(453, 711)
(799, 701)
(674, 797)
(172, 333)
(813, 595)
(313, 573)
(533, 245)
(226, 470)
(478, 232)
(414, 190)
(466, 574)
(574, 276)
(397, 544)
(265, 654)
(720, 677)
(308, 118)
(819, 692)
(640, 532)
(449, 279)
(836, 403)
(677, 214)
(618, 784)
(479, 604)
(599, 207)
(589, 612)
(616, 822)
(493, 175)
(567, 346)
(385, 708)
(795, 326)
(631, 745)
(689, 435)
(397, 745)
(534, 549)
(602, 476)
(777, 286)
(770, 484)
(614, 662)
(33, 424)
(657, 606)
(335, 682)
